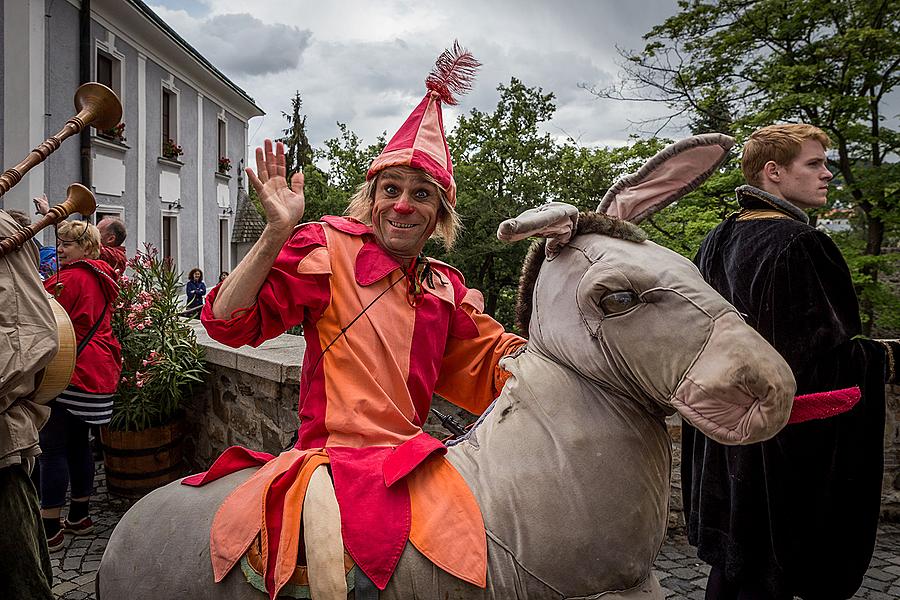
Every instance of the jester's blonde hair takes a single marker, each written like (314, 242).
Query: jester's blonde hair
(448, 225)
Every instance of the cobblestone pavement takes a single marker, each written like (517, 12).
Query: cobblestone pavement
(677, 567)
(683, 575)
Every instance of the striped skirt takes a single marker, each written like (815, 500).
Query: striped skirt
(93, 409)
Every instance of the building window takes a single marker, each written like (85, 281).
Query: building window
(224, 254)
(104, 69)
(102, 213)
(108, 71)
(223, 139)
(170, 237)
(224, 163)
(169, 125)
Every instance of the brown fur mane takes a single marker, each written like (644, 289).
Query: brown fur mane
(588, 222)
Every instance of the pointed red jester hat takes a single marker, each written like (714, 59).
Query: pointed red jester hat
(420, 143)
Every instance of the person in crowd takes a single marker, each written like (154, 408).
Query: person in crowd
(222, 276)
(87, 289)
(29, 343)
(386, 327)
(795, 515)
(112, 236)
(47, 264)
(196, 290)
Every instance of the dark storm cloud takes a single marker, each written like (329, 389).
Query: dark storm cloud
(246, 45)
(241, 44)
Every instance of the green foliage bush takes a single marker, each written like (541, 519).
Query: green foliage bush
(161, 359)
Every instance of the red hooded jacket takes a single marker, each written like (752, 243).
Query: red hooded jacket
(83, 288)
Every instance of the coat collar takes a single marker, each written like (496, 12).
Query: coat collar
(373, 263)
(749, 196)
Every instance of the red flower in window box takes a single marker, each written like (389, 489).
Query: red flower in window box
(224, 164)
(116, 134)
(171, 150)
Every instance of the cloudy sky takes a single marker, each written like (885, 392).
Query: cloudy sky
(364, 63)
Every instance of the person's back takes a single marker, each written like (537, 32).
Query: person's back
(796, 514)
(29, 344)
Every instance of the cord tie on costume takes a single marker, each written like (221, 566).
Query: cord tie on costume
(417, 274)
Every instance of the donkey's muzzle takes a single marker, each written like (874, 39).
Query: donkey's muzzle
(739, 390)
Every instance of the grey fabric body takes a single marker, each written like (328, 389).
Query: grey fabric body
(573, 485)
(571, 465)
(530, 452)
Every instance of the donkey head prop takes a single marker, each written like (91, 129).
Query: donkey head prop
(637, 318)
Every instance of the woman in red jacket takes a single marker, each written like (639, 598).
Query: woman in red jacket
(87, 289)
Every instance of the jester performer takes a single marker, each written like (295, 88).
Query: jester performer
(385, 327)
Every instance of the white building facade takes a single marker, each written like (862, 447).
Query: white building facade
(165, 173)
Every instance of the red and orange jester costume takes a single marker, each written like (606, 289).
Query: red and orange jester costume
(381, 340)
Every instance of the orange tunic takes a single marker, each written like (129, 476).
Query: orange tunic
(372, 363)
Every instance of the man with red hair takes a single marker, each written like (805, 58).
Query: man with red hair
(795, 515)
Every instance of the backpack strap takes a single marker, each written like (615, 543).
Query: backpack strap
(90, 334)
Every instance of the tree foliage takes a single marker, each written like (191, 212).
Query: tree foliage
(347, 160)
(734, 65)
(298, 152)
(503, 165)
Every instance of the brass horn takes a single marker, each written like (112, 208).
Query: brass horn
(97, 105)
(79, 199)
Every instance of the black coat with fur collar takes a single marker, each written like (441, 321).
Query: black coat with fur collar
(797, 513)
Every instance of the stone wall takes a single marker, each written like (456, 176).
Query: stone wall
(249, 398)
(251, 394)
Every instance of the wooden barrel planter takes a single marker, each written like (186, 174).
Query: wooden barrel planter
(137, 462)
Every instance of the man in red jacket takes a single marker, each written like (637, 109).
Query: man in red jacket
(112, 236)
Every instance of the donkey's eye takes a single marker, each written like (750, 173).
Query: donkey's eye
(618, 302)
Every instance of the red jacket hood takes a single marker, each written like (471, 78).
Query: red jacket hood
(105, 274)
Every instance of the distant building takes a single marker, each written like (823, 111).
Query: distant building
(164, 173)
(835, 220)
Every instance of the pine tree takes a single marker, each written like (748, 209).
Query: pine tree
(298, 152)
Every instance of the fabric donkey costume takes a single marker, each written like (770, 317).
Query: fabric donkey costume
(571, 464)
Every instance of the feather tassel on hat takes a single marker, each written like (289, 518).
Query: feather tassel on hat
(420, 143)
(453, 73)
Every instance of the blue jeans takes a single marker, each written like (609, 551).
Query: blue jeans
(66, 453)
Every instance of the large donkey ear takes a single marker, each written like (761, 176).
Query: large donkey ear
(675, 170)
(555, 221)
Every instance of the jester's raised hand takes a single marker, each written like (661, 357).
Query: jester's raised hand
(283, 205)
